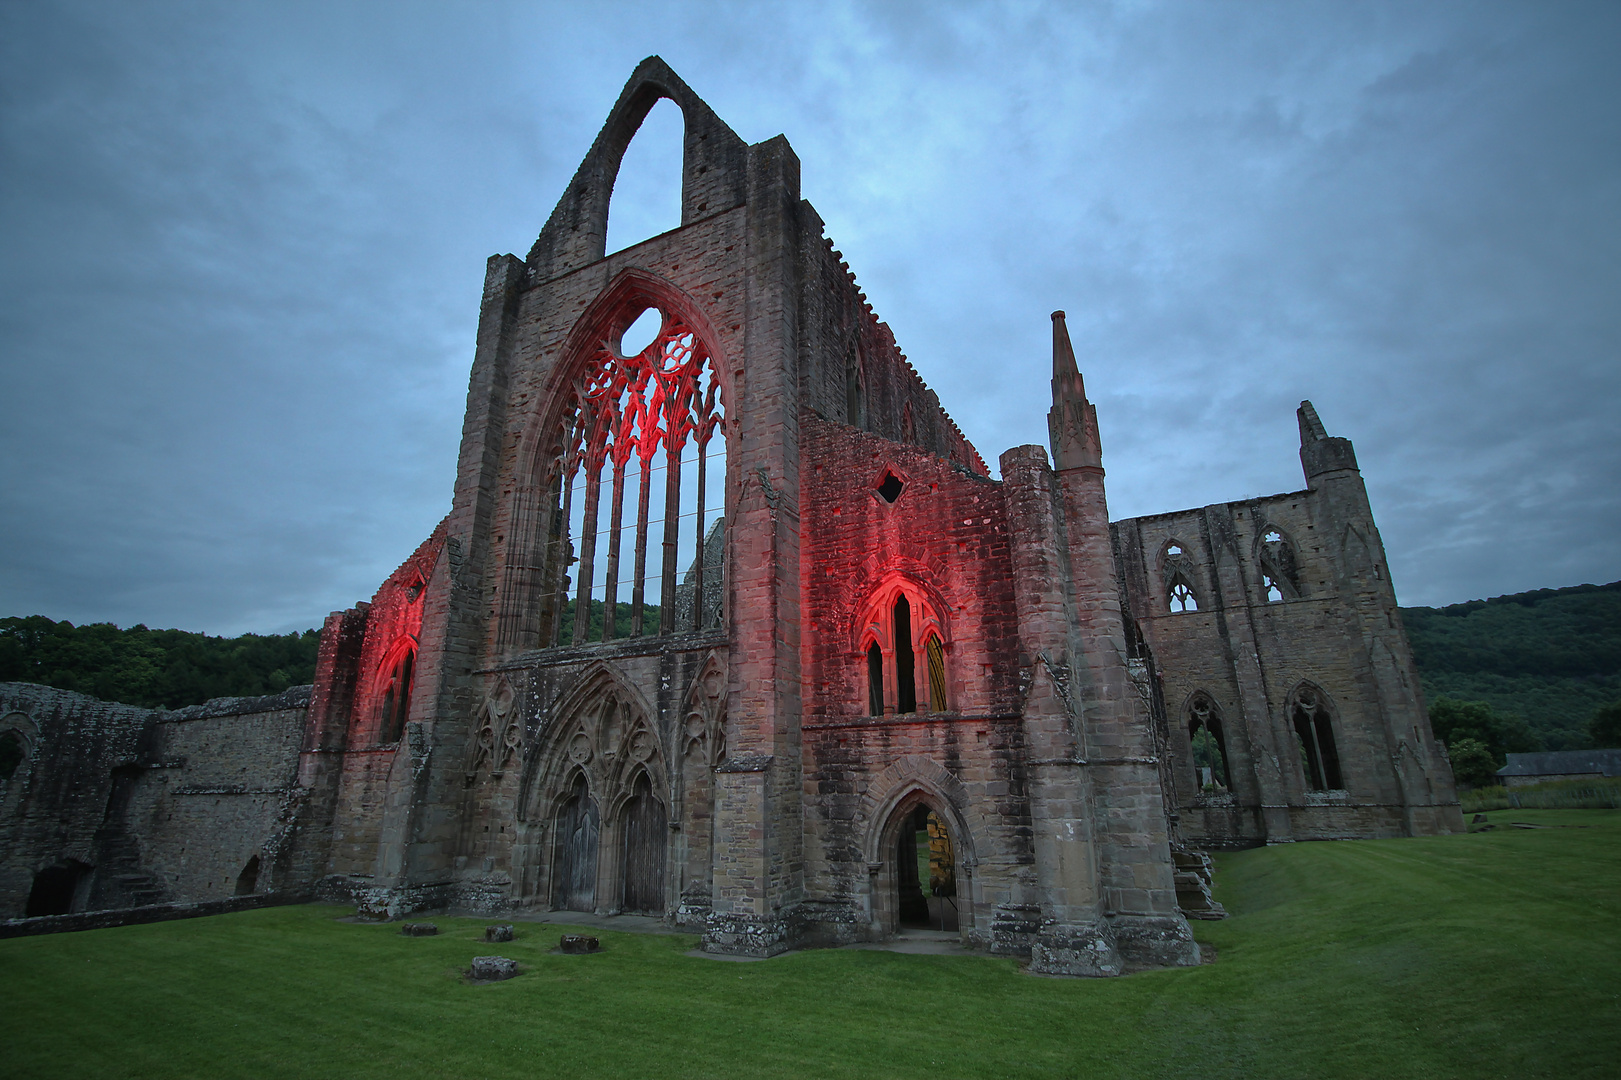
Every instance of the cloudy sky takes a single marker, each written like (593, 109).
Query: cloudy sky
(244, 245)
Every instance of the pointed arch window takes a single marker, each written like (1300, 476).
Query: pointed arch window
(1314, 736)
(1176, 570)
(394, 706)
(902, 631)
(1280, 570)
(650, 425)
(1212, 772)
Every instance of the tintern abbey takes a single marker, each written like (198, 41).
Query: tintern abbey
(729, 624)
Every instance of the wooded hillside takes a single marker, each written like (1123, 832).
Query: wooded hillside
(155, 668)
(1551, 656)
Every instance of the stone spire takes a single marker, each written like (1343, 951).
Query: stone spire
(1320, 452)
(1072, 422)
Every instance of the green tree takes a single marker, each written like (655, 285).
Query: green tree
(1472, 763)
(1605, 727)
(1499, 733)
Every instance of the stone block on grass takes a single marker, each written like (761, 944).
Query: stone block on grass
(419, 929)
(501, 932)
(492, 968)
(579, 943)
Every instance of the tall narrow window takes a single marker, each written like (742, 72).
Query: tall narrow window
(1280, 571)
(396, 706)
(1209, 745)
(905, 678)
(875, 680)
(937, 673)
(1319, 758)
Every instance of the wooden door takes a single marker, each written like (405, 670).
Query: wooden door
(645, 825)
(574, 862)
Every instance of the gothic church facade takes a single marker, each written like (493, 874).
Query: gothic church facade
(734, 627)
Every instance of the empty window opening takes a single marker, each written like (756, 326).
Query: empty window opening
(642, 332)
(891, 487)
(248, 880)
(936, 654)
(925, 873)
(1173, 549)
(1209, 742)
(644, 831)
(396, 699)
(636, 478)
(1319, 759)
(875, 680)
(1280, 570)
(59, 889)
(574, 859)
(905, 679)
(12, 753)
(1182, 598)
(647, 190)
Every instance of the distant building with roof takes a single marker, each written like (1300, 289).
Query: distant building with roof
(1523, 769)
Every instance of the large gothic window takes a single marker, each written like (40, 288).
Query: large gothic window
(1314, 735)
(644, 426)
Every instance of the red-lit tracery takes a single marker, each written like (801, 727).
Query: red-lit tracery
(622, 411)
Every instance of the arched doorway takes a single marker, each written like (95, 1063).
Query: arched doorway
(925, 872)
(644, 824)
(574, 860)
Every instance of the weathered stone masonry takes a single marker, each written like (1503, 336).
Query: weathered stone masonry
(878, 635)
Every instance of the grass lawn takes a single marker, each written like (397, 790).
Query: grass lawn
(1496, 954)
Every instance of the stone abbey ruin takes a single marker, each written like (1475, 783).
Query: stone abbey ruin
(736, 629)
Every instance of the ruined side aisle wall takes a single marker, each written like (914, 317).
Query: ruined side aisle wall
(159, 807)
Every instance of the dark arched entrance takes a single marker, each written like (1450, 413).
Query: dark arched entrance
(925, 873)
(574, 861)
(645, 824)
(59, 889)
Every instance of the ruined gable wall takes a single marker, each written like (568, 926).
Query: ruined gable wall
(1249, 654)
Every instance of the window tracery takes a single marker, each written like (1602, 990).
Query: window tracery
(626, 419)
(1176, 570)
(901, 625)
(1280, 571)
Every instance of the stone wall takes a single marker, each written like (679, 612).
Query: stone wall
(146, 806)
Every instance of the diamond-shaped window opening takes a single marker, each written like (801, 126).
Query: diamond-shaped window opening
(890, 487)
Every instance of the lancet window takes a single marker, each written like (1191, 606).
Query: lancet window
(649, 427)
(1280, 574)
(1314, 734)
(1176, 569)
(1209, 742)
(901, 632)
(394, 705)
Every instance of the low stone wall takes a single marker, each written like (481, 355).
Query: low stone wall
(147, 913)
